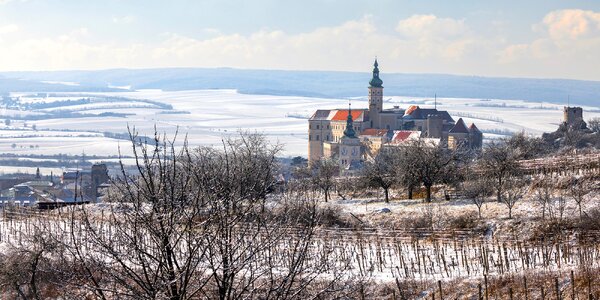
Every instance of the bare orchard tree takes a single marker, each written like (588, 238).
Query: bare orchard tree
(478, 189)
(194, 223)
(433, 163)
(558, 205)
(499, 161)
(381, 171)
(24, 267)
(514, 189)
(579, 189)
(406, 170)
(146, 244)
(544, 188)
(324, 172)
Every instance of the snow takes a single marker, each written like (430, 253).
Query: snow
(211, 114)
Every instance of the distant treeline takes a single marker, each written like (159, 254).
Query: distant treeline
(62, 115)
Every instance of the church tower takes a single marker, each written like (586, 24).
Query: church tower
(349, 150)
(375, 97)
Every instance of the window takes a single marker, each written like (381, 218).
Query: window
(317, 137)
(317, 126)
(309, 137)
(327, 126)
(327, 138)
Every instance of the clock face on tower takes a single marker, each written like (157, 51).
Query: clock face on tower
(344, 151)
(354, 152)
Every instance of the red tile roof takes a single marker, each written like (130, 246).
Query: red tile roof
(411, 109)
(374, 132)
(403, 135)
(342, 115)
(473, 128)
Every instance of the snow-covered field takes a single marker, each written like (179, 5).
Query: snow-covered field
(205, 116)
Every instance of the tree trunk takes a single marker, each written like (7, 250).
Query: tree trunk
(386, 193)
(499, 191)
(428, 188)
(410, 192)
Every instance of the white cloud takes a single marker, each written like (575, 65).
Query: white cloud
(572, 24)
(566, 47)
(420, 43)
(10, 28)
(431, 26)
(128, 19)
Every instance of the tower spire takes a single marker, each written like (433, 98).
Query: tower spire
(376, 81)
(349, 132)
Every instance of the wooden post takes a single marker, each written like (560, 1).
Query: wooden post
(480, 292)
(590, 296)
(487, 294)
(543, 294)
(525, 285)
(557, 288)
(510, 293)
(440, 286)
(572, 285)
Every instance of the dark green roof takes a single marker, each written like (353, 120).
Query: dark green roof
(376, 81)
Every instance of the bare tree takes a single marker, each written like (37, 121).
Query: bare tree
(324, 172)
(513, 189)
(543, 193)
(579, 189)
(23, 267)
(594, 124)
(406, 170)
(194, 223)
(381, 171)
(499, 161)
(478, 189)
(433, 163)
(558, 205)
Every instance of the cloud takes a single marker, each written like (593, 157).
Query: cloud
(431, 26)
(128, 19)
(10, 28)
(420, 43)
(571, 24)
(567, 45)
(349, 46)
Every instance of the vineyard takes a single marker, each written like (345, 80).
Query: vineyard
(430, 259)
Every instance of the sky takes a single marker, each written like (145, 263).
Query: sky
(525, 38)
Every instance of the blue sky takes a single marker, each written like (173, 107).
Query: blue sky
(547, 39)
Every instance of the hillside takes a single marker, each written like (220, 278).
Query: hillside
(310, 83)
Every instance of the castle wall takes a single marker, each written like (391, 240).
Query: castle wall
(572, 115)
(434, 126)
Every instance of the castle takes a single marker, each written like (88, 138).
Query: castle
(348, 134)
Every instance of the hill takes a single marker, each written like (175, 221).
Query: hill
(310, 83)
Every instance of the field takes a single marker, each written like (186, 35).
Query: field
(96, 123)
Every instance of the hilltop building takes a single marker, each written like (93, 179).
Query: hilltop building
(572, 115)
(374, 127)
(573, 118)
